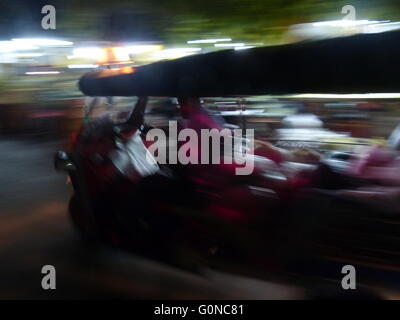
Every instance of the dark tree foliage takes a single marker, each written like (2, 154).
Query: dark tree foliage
(176, 21)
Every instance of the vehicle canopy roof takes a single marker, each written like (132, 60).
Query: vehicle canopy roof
(367, 63)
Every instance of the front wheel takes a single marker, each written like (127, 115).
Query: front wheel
(80, 221)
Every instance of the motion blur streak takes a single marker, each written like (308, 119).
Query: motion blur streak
(325, 190)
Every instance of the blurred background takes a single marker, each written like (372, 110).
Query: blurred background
(41, 109)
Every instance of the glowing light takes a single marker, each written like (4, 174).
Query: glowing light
(229, 45)
(120, 54)
(113, 55)
(127, 70)
(89, 52)
(44, 42)
(82, 66)
(23, 55)
(346, 96)
(42, 72)
(209, 40)
(175, 53)
(10, 46)
(382, 27)
(244, 47)
(344, 23)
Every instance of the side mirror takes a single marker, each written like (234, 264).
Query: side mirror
(63, 162)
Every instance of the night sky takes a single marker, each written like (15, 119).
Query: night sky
(22, 18)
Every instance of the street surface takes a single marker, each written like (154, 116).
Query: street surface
(35, 231)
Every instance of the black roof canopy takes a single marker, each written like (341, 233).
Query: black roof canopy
(368, 63)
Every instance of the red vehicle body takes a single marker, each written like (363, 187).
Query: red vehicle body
(279, 219)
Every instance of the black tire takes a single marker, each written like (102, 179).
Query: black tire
(79, 220)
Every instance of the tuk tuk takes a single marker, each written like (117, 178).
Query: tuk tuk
(287, 218)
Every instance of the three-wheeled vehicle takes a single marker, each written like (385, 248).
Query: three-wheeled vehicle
(283, 218)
